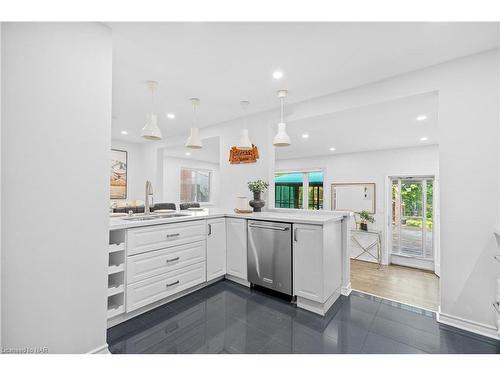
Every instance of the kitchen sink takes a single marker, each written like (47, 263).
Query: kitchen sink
(153, 217)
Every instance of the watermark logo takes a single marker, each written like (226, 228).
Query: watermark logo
(25, 350)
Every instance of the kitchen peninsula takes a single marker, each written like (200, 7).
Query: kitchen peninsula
(154, 259)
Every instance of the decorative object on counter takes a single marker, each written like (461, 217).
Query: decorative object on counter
(237, 156)
(257, 188)
(244, 143)
(151, 130)
(118, 177)
(353, 196)
(158, 207)
(282, 139)
(194, 140)
(242, 203)
(238, 211)
(365, 218)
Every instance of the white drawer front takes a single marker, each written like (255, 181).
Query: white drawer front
(141, 240)
(153, 263)
(156, 288)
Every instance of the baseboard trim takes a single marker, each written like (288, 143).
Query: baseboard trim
(238, 280)
(467, 325)
(346, 290)
(100, 350)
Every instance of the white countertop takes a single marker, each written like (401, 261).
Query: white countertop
(209, 213)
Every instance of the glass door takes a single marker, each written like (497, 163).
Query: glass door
(412, 217)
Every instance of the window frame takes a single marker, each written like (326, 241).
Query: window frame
(211, 184)
(305, 188)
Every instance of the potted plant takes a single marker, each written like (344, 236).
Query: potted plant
(257, 188)
(365, 218)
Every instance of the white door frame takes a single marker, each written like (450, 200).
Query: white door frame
(436, 215)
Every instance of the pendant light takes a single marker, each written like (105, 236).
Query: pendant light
(151, 130)
(244, 143)
(194, 140)
(282, 139)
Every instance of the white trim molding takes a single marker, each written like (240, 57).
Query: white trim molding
(100, 350)
(467, 325)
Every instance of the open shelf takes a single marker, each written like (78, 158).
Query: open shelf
(116, 305)
(115, 247)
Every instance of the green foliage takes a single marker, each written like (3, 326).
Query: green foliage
(417, 223)
(366, 217)
(258, 186)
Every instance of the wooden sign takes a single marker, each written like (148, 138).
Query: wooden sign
(237, 156)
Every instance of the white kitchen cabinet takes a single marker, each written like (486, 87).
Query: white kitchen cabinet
(236, 242)
(308, 250)
(216, 248)
(317, 265)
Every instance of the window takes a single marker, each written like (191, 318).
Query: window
(289, 190)
(195, 185)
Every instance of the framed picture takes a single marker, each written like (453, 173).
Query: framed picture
(118, 176)
(354, 196)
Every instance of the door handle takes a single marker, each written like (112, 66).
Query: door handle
(268, 227)
(173, 259)
(174, 283)
(295, 234)
(173, 235)
(209, 229)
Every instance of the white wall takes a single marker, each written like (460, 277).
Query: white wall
(56, 122)
(373, 166)
(136, 175)
(172, 173)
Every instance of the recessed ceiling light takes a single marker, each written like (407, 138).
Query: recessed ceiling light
(332, 148)
(305, 135)
(277, 74)
(188, 154)
(124, 132)
(171, 116)
(421, 118)
(424, 139)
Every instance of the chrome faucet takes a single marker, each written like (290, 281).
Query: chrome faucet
(149, 192)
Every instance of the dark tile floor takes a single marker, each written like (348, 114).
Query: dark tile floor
(228, 318)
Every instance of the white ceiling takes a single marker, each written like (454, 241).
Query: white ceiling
(223, 63)
(382, 126)
(208, 154)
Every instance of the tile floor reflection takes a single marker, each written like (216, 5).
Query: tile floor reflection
(228, 318)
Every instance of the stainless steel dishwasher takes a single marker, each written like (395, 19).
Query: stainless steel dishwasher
(269, 255)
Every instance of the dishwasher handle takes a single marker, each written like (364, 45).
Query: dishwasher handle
(268, 227)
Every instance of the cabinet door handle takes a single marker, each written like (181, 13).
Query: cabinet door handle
(173, 259)
(174, 283)
(209, 229)
(295, 234)
(173, 235)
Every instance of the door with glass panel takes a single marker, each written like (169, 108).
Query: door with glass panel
(412, 217)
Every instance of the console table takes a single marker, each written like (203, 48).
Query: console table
(375, 241)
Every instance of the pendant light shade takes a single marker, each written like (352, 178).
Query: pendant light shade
(151, 130)
(282, 139)
(244, 142)
(194, 140)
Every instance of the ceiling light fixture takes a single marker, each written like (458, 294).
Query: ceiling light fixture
(424, 139)
(170, 116)
(305, 135)
(277, 74)
(188, 154)
(282, 139)
(332, 148)
(421, 118)
(124, 132)
(194, 140)
(151, 130)
(244, 142)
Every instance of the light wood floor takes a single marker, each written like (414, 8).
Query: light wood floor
(402, 284)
